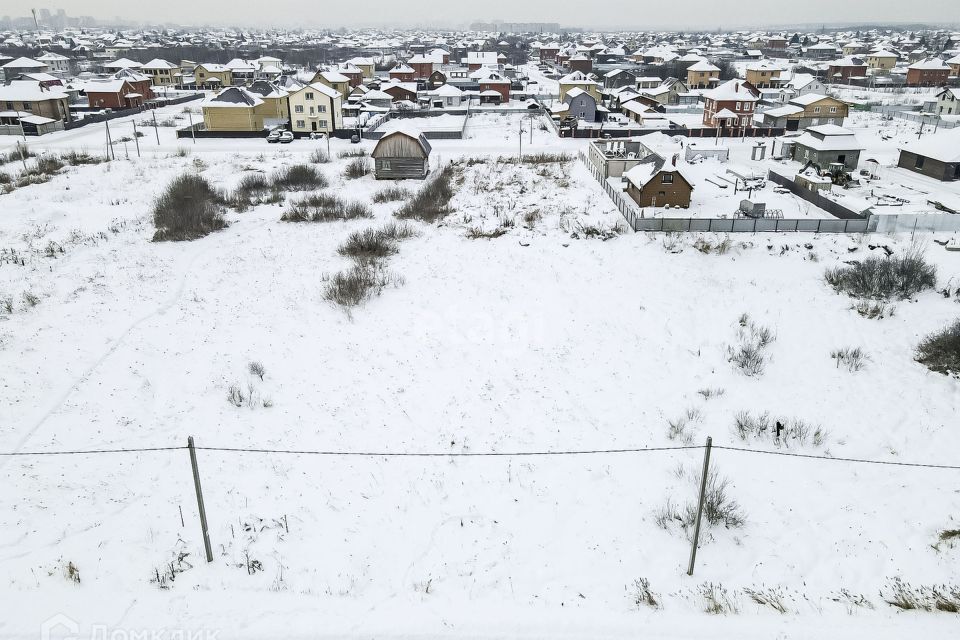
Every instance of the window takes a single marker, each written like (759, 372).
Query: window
(666, 178)
(322, 108)
(385, 164)
(308, 95)
(301, 124)
(739, 106)
(311, 110)
(323, 124)
(918, 163)
(298, 108)
(833, 109)
(816, 109)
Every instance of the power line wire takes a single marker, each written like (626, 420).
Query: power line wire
(841, 459)
(452, 454)
(86, 451)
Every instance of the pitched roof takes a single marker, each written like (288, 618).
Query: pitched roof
(943, 146)
(731, 90)
(233, 97)
(934, 64)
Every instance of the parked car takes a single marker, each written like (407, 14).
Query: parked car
(286, 137)
(274, 136)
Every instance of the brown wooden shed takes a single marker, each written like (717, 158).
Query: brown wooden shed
(401, 154)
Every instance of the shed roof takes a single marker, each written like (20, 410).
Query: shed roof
(402, 142)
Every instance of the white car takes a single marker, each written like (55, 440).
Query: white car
(286, 137)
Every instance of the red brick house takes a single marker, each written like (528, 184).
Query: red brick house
(581, 63)
(113, 94)
(548, 52)
(403, 73)
(845, 68)
(500, 85)
(932, 72)
(731, 104)
(422, 66)
(141, 82)
(354, 75)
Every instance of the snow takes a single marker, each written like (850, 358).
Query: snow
(531, 341)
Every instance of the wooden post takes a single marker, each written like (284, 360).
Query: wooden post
(110, 152)
(200, 507)
(703, 494)
(155, 130)
(136, 138)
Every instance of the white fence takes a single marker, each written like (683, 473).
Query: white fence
(914, 222)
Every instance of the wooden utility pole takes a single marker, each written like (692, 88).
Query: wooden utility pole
(136, 138)
(155, 130)
(703, 493)
(203, 512)
(110, 152)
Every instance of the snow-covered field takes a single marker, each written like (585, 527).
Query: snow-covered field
(531, 341)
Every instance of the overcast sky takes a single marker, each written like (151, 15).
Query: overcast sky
(613, 14)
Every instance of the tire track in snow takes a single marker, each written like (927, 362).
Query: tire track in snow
(115, 344)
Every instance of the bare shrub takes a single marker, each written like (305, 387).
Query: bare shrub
(256, 368)
(642, 596)
(940, 351)
(319, 156)
(716, 599)
(476, 233)
(718, 507)
(432, 201)
(357, 168)
(680, 428)
(537, 158)
(780, 431)
(299, 177)
(30, 299)
(852, 359)
(883, 278)
(188, 208)
(366, 244)
(705, 246)
(711, 393)
(749, 354)
(391, 194)
(235, 395)
(75, 158)
(14, 155)
(767, 597)
(358, 284)
(357, 152)
(874, 309)
(532, 217)
(904, 595)
(324, 207)
(398, 231)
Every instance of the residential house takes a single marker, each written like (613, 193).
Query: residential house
(931, 72)
(845, 68)
(161, 72)
(548, 52)
(403, 73)
(55, 62)
(275, 109)
(315, 108)
(22, 98)
(401, 153)
(333, 79)
(232, 109)
(15, 68)
(936, 156)
(649, 82)
(446, 97)
(580, 62)
(120, 64)
(702, 75)
(763, 74)
(619, 78)
(401, 91)
(242, 71)
(954, 64)
(948, 102)
(354, 74)
(579, 80)
(881, 61)
(732, 104)
(140, 82)
(580, 105)
(115, 93)
(209, 75)
(808, 110)
(477, 59)
(492, 81)
(424, 65)
(367, 66)
(827, 144)
(801, 84)
(667, 92)
(658, 182)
